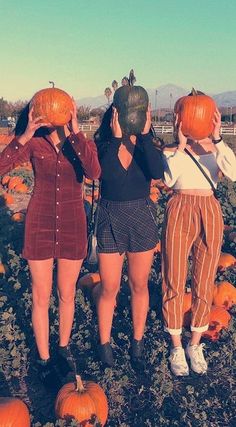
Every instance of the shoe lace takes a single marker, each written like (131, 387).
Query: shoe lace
(179, 357)
(198, 354)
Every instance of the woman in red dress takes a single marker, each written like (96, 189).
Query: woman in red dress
(55, 226)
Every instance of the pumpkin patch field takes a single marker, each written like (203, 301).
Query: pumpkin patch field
(150, 398)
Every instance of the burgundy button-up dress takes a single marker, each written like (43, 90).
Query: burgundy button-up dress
(55, 225)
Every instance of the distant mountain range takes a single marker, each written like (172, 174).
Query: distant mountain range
(164, 97)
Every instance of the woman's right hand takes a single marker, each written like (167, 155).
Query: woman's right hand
(32, 126)
(115, 125)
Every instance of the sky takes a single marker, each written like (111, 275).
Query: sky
(82, 45)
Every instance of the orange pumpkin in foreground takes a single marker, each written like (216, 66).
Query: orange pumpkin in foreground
(13, 413)
(89, 280)
(18, 217)
(196, 112)
(219, 319)
(82, 401)
(53, 104)
(226, 260)
(224, 295)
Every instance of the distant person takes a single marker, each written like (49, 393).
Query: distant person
(55, 226)
(126, 225)
(193, 222)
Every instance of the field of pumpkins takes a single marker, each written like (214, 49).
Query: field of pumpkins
(126, 398)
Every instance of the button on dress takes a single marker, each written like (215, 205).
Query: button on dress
(55, 225)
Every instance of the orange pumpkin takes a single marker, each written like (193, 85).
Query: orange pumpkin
(196, 113)
(224, 295)
(89, 280)
(5, 179)
(82, 401)
(18, 217)
(14, 181)
(9, 199)
(187, 314)
(226, 260)
(13, 413)
(3, 268)
(219, 319)
(21, 188)
(54, 105)
(157, 247)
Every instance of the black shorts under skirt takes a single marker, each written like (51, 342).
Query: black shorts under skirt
(128, 226)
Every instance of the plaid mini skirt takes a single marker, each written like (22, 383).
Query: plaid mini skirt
(127, 226)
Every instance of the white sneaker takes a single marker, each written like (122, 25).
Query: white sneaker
(178, 364)
(197, 361)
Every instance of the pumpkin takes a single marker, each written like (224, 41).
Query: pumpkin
(5, 179)
(54, 105)
(196, 112)
(224, 295)
(18, 217)
(219, 319)
(14, 181)
(9, 199)
(157, 247)
(13, 413)
(82, 400)
(3, 268)
(89, 280)
(186, 309)
(226, 260)
(21, 188)
(131, 103)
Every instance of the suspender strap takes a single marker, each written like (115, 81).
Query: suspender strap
(203, 172)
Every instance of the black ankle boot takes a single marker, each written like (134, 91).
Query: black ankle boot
(106, 355)
(48, 375)
(137, 354)
(65, 362)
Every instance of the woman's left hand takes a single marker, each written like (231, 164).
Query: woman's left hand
(217, 125)
(148, 123)
(74, 125)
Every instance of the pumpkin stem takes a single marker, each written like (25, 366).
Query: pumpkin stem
(52, 83)
(194, 92)
(79, 385)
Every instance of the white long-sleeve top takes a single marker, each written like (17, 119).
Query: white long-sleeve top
(181, 173)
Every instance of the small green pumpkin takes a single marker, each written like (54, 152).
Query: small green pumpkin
(131, 103)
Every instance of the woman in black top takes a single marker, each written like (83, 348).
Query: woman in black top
(126, 224)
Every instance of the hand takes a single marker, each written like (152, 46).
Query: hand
(217, 125)
(115, 125)
(181, 137)
(148, 123)
(32, 126)
(74, 125)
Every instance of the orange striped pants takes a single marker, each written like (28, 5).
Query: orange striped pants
(193, 223)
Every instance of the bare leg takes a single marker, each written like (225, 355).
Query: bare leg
(67, 275)
(139, 269)
(41, 274)
(110, 268)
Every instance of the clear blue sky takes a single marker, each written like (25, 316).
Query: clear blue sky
(84, 44)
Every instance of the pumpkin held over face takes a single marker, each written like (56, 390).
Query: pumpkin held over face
(196, 112)
(13, 413)
(82, 401)
(54, 105)
(131, 103)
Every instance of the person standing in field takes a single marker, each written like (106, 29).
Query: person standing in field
(126, 225)
(55, 226)
(193, 222)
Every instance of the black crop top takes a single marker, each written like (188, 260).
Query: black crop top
(120, 184)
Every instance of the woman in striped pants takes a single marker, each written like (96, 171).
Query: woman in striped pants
(194, 224)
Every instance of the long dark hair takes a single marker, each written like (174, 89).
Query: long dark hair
(22, 123)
